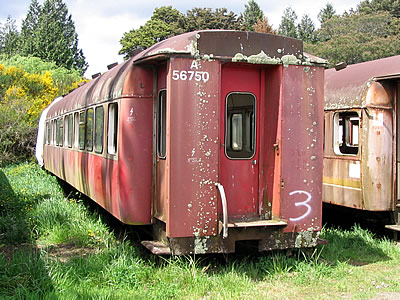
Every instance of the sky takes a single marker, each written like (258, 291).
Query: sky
(100, 24)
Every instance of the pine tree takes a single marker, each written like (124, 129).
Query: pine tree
(306, 29)
(48, 32)
(9, 37)
(252, 14)
(288, 23)
(326, 13)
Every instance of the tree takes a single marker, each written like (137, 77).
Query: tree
(9, 37)
(306, 29)
(357, 38)
(288, 23)
(165, 22)
(252, 14)
(264, 26)
(49, 33)
(28, 29)
(205, 18)
(373, 6)
(326, 13)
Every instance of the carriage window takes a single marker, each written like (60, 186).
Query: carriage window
(112, 132)
(59, 132)
(346, 133)
(54, 129)
(82, 122)
(48, 132)
(76, 130)
(240, 126)
(98, 129)
(69, 131)
(162, 124)
(89, 130)
(66, 129)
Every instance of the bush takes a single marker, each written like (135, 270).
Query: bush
(27, 86)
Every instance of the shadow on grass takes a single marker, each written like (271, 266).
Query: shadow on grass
(22, 271)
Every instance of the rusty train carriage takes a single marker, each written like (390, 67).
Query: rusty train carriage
(213, 137)
(362, 154)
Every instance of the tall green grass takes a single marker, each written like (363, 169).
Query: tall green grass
(54, 247)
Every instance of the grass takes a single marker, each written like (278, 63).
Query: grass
(56, 247)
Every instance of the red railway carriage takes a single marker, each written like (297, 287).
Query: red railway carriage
(213, 137)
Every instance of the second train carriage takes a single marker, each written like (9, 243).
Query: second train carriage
(362, 137)
(213, 137)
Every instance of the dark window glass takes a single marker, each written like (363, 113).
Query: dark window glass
(70, 130)
(162, 124)
(89, 130)
(99, 129)
(82, 123)
(240, 125)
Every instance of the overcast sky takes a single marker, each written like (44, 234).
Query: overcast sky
(100, 24)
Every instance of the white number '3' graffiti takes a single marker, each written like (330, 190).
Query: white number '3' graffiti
(302, 203)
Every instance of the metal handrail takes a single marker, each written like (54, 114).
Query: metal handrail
(224, 210)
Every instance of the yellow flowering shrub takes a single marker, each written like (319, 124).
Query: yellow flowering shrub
(23, 97)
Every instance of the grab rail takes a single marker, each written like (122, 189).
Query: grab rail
(224, 210)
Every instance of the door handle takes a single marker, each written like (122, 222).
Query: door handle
(254, 162)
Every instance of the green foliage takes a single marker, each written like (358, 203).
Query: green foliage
(357, 38)
(167, 21)
(27, 86)
(9, 37)
(252, 14)
(326, 13)
(287, 27)
(64, 79)
(374, 6)
(205, 18)
(305, 29)
(48, 32)
(29, 29)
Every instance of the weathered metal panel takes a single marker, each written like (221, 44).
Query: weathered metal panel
(193, 148)
(161, 197)
(268, 129)
(301, 147)
(347, 88)
(240, 176)
(136, 160)
(377, 166)
(257, 48)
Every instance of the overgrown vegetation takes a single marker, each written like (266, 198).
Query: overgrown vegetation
(27, 86)
(57, 247)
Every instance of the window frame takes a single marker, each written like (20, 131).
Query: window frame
(249, 119)
(162, 124)
(343, 129)
(112, 128)
(89, 129)
(97, 130)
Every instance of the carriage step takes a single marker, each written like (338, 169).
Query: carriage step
(393, 227)
(257, 223)
(396, 230)
(157, 247)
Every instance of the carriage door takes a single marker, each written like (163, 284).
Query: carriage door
(398, 138)
(240, 101)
